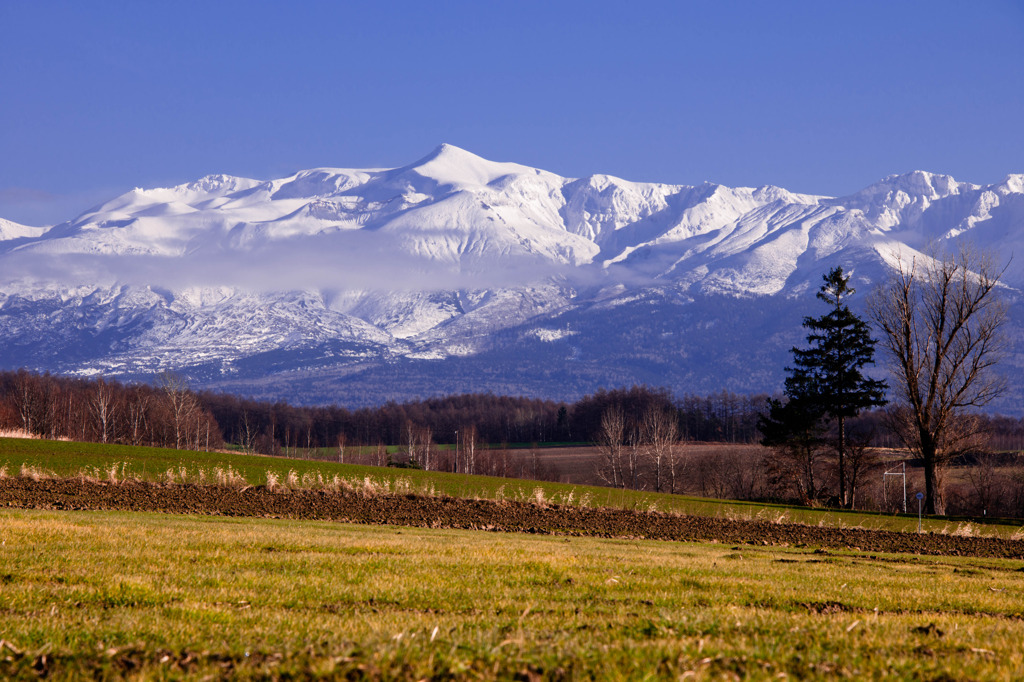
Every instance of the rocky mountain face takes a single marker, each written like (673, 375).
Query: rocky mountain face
(459, 274)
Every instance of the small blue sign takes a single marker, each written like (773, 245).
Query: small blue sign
(920, 496)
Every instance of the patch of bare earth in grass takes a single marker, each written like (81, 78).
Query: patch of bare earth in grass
(385, 502)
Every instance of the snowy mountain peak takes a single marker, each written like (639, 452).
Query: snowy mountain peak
(13, 230)
(318, 182)
(452, 166)
(218, 184)
(915, 184)
(772, 193)
(902, 199)
(451, 152)
(1011, 184)
(458, 211)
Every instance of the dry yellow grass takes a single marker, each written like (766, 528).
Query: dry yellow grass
(113, 594)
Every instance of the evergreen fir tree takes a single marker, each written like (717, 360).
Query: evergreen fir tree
(827, 381)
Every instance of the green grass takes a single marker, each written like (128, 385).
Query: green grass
(71, 459)
(152, 596)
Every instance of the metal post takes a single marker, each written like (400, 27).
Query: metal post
(920, 496)
(904, 487)
(885, 491)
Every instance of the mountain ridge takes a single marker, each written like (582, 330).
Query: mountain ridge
(346, 272)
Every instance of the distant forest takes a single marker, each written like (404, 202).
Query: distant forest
(493, 419)
(169, 414)
(106, 411)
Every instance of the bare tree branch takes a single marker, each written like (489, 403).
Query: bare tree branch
(942, 324)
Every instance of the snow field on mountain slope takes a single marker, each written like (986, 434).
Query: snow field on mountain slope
(490, 209)
(436, 257)
(12, 230)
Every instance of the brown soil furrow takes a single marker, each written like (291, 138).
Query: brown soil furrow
(446, 512)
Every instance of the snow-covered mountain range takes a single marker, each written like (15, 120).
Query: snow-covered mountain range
(456, 273)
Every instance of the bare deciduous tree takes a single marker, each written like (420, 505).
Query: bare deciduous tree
(661, 433)
(633, 459)
(987, 485)
(611, 441)
(941, 321)
(342, 440)
(798, 468)
(26, 400)
(677, 466)
(102, 404)
(247, 433)
(862, 459)
(426, 439)
(182, 403)
(410, 440)
(380, 455)
(467, 449)
(419, 444)
(137, 407)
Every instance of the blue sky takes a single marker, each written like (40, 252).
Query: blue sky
(819, 97)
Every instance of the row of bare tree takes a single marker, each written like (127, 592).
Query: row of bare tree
(641, 451)
(468, 456)
(280, 427)
(106, 411)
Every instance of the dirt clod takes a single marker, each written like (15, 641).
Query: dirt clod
(930, 629)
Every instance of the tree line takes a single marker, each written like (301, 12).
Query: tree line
(107, 411)
(280, 427)
(169, 414)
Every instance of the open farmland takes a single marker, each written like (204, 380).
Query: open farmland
(144, 595)
(120, 462)
(263, 567)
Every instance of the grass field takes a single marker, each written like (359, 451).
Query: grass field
(99, 460)
(151, 596)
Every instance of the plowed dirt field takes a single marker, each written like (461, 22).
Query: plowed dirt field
(501, 516)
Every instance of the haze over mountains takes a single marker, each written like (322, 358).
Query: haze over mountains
(456, 274)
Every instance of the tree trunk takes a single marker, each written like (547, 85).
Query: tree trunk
(843, 502)
(928, 454)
